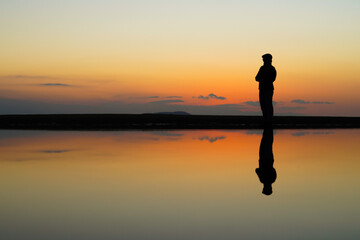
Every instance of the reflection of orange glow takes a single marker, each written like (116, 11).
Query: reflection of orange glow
(174, 175)
(137, 144)
(229, 148)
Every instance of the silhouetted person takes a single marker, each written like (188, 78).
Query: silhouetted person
(266, 76)
(266, 172)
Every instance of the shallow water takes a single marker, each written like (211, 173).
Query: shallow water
(179, 185)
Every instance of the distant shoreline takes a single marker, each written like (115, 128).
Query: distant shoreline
(164, 121)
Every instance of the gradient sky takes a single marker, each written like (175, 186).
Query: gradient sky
(147, 56)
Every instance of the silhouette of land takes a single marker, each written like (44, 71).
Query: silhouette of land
(167, 121)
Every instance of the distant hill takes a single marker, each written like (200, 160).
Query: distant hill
(174, 113)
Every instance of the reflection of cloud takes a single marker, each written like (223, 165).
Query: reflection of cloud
(211, 139)
(257, 132)
(167, 101)
(168, 134)
(300, 134)
(26, 159)
(254, 132)
(303, 133)
(55, 85)
(151, 139)
(323, 132)
(56, 151)
(211, 96)
(173, 138)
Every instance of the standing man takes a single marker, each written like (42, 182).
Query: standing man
(266, 76)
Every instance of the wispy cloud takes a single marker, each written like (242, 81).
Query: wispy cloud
(167, 101)
(27, 106)
(19, 76)
(174, 97)
(256, 103)
(286, 108)
(253, 103)
(321, 102)
(211, 96)
(155, 96)
(55, 85)
(56, 150)
(301, 101)
(148, 97)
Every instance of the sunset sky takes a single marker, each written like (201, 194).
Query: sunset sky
(197, 56)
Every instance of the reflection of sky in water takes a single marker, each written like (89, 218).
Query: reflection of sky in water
(178, 185)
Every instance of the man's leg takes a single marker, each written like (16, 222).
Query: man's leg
(262, 100)
(270, 104)
(269, 110)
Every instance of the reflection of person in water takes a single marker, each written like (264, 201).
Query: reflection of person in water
(266, 171)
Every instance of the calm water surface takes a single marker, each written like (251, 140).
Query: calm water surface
(180, 184)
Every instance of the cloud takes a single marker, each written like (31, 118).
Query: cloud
(27, 106)
(253, 103)
(167, 101)
(211, 96)
(291, 108)
(28, 77)
(146, 97)
(152, 97)
(256, 103)
(300, 101)
(174, 97)
(320, 102)
(56, 151)
(55, 85)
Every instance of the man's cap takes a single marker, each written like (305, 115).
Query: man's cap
(267, 56)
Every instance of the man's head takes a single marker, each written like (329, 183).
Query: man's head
(267, 58)
(267, 190)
